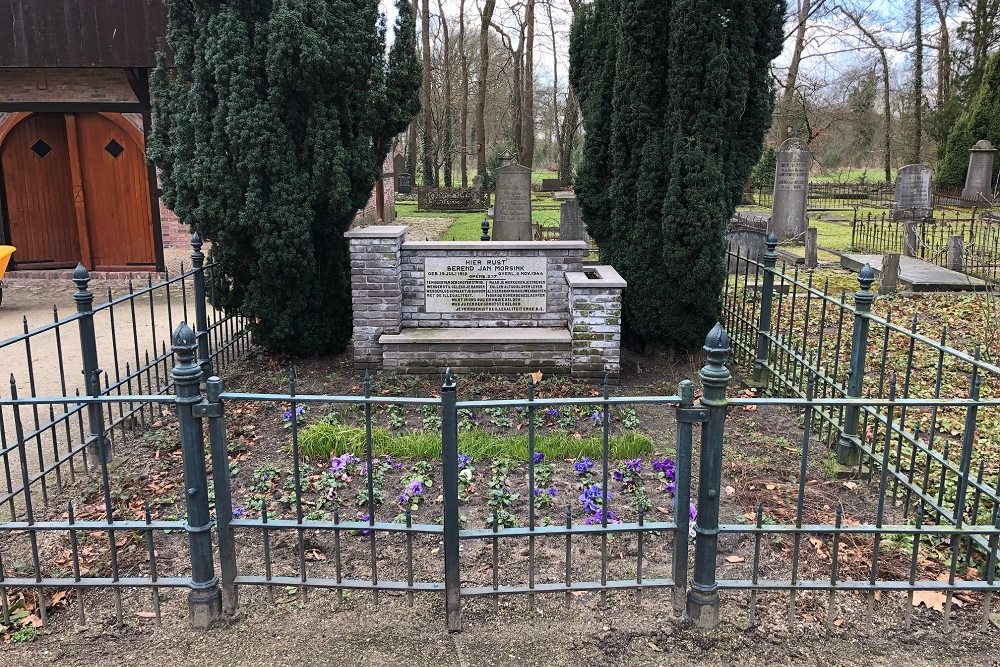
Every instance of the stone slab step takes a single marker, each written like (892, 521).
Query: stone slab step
(479, 336)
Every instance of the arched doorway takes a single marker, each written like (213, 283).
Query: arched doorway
(76, 189)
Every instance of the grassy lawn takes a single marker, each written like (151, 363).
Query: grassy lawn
(468, 226)
(869, 174)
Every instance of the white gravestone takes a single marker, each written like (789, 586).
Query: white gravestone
(485, 284)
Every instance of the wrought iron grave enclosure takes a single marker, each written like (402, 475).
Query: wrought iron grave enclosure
(808, 352)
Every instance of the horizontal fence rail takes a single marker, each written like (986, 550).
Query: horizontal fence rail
(118, 347)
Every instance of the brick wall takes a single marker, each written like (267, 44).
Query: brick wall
(368, 215)
(596, 321)
(376, 296)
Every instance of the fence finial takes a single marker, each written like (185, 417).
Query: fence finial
(183, 336)
(196, 241)
(866, 276)
(717, 343)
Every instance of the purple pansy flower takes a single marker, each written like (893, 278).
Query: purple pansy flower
(538, 457)
(299, 411)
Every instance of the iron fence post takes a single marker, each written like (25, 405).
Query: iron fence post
(849, 444)
(200, 307)
(99, 445)
(854, 230)
(205, 596)
(449, 460)
(703, 598)
(214, 409)
(682, 499)
(766, 301)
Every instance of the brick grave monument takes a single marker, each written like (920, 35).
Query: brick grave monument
(486, 306)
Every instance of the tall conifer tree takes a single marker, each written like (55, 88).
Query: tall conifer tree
(270, 133)
(980, 121)
(676, 102)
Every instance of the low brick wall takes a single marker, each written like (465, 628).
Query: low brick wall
(578, 332)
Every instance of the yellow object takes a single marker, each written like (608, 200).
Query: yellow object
(5, 252)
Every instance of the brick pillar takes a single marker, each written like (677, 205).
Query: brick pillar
(595, 301)
(376, 294)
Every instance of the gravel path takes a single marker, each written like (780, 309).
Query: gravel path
(391, 633)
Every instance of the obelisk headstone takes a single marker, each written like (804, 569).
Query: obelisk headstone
(512, 210)
(914, 196)
(791, 190)
(979, 178)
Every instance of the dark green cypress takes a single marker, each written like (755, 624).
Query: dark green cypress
(593, 43)
(671, 137)
(270, 134)
(980, 121)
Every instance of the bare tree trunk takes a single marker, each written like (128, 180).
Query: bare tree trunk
(411, 142)
(944, 56)
(464, 120)
(887, 110)
(554, 127)
(484, 70)
(430, 169)
(517, 86)
(528, 81)
(918, 80)
(567, 138)
(449, 120)
(886, 100)
(788, 92)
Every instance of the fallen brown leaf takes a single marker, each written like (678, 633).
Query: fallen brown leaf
(930, 599)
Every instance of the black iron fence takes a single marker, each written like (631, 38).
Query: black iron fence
(848, 196)
(795, 333)
(452, 199)
(929, 489)
(967, 242)
(119, 347)
(830, 196)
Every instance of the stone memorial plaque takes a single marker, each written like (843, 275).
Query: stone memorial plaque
(913, 192)
(791, 190)
(485, 284)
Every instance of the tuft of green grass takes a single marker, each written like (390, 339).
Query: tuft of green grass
(321, 440)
